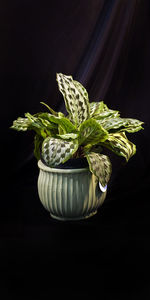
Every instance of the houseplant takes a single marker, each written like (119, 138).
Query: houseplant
(61, 141)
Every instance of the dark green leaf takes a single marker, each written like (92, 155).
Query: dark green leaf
(37, 145)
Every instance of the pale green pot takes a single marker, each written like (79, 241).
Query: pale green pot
(69, 194)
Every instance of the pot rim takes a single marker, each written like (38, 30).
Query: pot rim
(57, 170)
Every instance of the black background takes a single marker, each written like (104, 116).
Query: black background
(106, 46)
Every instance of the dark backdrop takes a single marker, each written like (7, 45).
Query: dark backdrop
(104, 44)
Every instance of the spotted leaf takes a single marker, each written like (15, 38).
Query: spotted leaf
(100, 166)
(57, 151)
(120, 145)
(96, 108)
(105, 113)
(75, 97)
(21, 124)
(121, 124)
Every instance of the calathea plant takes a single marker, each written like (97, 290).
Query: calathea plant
(85, 131)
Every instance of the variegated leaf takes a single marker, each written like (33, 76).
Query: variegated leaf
(107, 113)
(21, 124)
(91, 133)
(40, 125)
(96, 108)
(120, 145)
(121, 124)
(57, 151)
(76, 98)
(132, 125)
(100, 166)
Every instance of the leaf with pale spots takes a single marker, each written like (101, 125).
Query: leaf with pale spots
(21, 124)
(75, 97)
(96, 108)
(100, 166)
(57, 151)
(120, 145)
(106, 113)
(121, 124)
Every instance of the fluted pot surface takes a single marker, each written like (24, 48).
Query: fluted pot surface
(69, 194)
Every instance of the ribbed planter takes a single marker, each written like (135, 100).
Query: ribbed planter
(69, 194)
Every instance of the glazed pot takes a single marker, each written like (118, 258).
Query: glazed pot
(69, 194)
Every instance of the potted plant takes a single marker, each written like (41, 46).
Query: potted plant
(74, 171)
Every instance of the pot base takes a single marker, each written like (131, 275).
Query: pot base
(74, 218)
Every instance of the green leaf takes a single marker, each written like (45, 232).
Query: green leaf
(100, 166)
(37, 145)
(57, 151)
(120, 145)
(66, 124)
(50, 109)
(75, 97)
(91, 133)
(68, 136)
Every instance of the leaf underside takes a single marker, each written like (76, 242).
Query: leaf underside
(57, 151)
(100, 166)
(75, 97)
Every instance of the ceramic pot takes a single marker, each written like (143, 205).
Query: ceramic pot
(69, 194)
